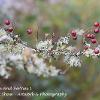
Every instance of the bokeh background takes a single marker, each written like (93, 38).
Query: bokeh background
(58, 16)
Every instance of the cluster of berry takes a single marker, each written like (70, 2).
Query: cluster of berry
(7, 22)
(91, 37)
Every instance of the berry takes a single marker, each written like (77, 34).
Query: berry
(96, 51)
(73, 33)
(10, 29)
(96, 24)
(93, 41)
(7, 22)
(29, 31)
(96, 30)
(92, 36)
(88, 35)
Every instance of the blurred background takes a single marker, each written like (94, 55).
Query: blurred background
(58, 16)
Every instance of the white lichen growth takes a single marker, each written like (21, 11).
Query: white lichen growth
(16, 54)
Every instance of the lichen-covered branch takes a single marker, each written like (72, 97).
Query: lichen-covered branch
(15, 53)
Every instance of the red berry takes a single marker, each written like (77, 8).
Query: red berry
(29, 31)
(92, 36)
(93, 41)
(88, 35)
(7, 22)
(73, 33)
(10, 29)
(96, 51)
(96, 24)
(96, 30)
